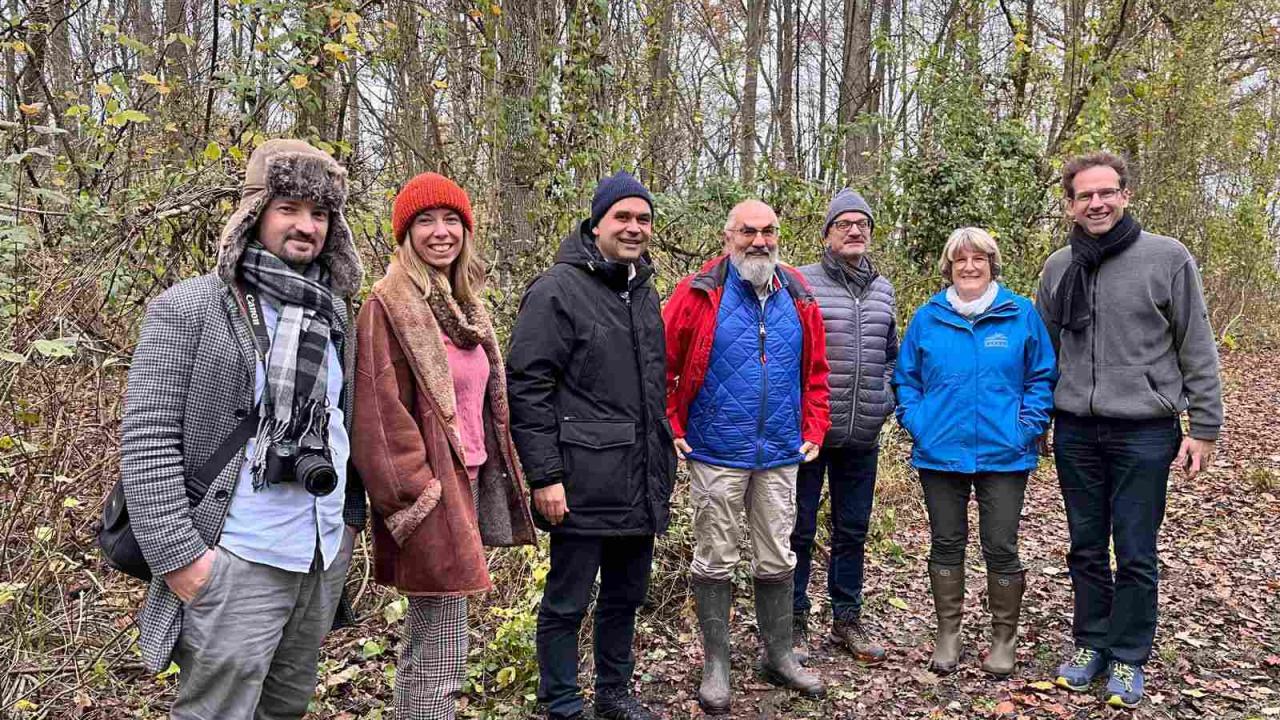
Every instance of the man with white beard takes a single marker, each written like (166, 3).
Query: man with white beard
(747, 401)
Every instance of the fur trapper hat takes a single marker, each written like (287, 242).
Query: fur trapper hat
(294, 169)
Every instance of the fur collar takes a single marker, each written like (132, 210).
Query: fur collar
(418, 333)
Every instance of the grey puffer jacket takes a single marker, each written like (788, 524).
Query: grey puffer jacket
(862, 349)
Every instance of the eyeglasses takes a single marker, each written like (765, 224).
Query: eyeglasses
(769, 232)
(1105, 195)
(844, 225)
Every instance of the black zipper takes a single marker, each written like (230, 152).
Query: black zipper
(857, 373)
(644, 403)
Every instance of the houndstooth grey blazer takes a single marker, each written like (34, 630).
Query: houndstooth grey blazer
(190, 384)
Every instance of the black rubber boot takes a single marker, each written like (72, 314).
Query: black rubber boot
(774, 618)
(1004, 600)
(712, 598)
(800, 636)
(947, 583)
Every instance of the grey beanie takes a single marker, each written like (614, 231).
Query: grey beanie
(847, 200)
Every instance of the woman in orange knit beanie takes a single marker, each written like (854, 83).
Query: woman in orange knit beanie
(431, 438)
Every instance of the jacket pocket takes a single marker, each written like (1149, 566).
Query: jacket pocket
(597, 463)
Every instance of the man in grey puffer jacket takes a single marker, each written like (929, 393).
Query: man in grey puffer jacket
(858, 311)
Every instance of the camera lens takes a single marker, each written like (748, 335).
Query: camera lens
(316, 473)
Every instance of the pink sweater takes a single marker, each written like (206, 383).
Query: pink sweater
(470, 370)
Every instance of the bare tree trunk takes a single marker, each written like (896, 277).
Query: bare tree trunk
(657, 169)
(174, 56)
(756, 10)
(59, 59)
(31, 80)
(11, 73)
(855, 84)
(787, 62)
(880, 98)
(1022, 63)
(520, 46)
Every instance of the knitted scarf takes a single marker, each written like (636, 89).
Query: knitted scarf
(295, 398)
(1074, 306)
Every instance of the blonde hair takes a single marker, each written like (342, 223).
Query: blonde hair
(465, 277)
(972, 239)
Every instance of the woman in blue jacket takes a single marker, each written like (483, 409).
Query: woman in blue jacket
(974, 383)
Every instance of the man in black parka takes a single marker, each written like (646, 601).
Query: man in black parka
(586, 378)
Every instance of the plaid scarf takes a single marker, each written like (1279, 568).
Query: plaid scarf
(295, 399)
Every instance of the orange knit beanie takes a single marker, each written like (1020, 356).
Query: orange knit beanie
(424, 192)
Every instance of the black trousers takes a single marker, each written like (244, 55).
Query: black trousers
(946, 495)
(623, 564)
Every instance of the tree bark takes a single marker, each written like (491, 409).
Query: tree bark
(519, 47)
(855, 86)
(787, 63)
(658, 168)
(756, 13)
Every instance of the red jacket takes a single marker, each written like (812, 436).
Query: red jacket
(690, 319)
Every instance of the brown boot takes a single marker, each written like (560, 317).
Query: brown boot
(947, 583)
(1004, 600)
(852, 636)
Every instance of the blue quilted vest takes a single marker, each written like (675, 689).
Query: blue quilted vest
(747, 412)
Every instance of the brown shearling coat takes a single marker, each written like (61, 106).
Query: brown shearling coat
(428, 534)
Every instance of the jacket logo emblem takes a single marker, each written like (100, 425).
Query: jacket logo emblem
(996, 340)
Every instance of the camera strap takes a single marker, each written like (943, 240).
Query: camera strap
(253, 312)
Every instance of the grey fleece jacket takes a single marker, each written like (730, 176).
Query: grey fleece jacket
(1149, 351)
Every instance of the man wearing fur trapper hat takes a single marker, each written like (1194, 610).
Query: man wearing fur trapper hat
(235, 446)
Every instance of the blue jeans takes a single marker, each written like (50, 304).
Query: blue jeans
(852, 475)
(1114, 475)
(623, 564)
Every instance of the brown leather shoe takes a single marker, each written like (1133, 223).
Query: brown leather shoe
(852, 636)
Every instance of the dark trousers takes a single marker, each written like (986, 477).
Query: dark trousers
(623, 564)
(946, 496)
(851, 474)
(1114, 476)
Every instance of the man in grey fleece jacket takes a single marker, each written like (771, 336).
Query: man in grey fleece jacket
(1126, 313)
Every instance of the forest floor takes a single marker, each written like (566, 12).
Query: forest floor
(1217, 650)
(67, 645)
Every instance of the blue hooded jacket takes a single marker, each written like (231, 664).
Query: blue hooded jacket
(975, 395)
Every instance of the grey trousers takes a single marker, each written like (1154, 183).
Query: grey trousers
(251, 638)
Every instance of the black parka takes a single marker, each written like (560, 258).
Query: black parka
(586, 377)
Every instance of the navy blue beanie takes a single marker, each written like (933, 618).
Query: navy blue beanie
(615, 187)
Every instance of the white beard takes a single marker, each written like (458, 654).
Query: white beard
(755, 269)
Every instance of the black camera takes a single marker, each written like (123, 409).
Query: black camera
(304, 460)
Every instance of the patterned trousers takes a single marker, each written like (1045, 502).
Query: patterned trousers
(433, 659)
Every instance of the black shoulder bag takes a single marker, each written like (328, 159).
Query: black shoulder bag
(115, 534)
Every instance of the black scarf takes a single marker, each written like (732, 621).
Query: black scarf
(1074, 306)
